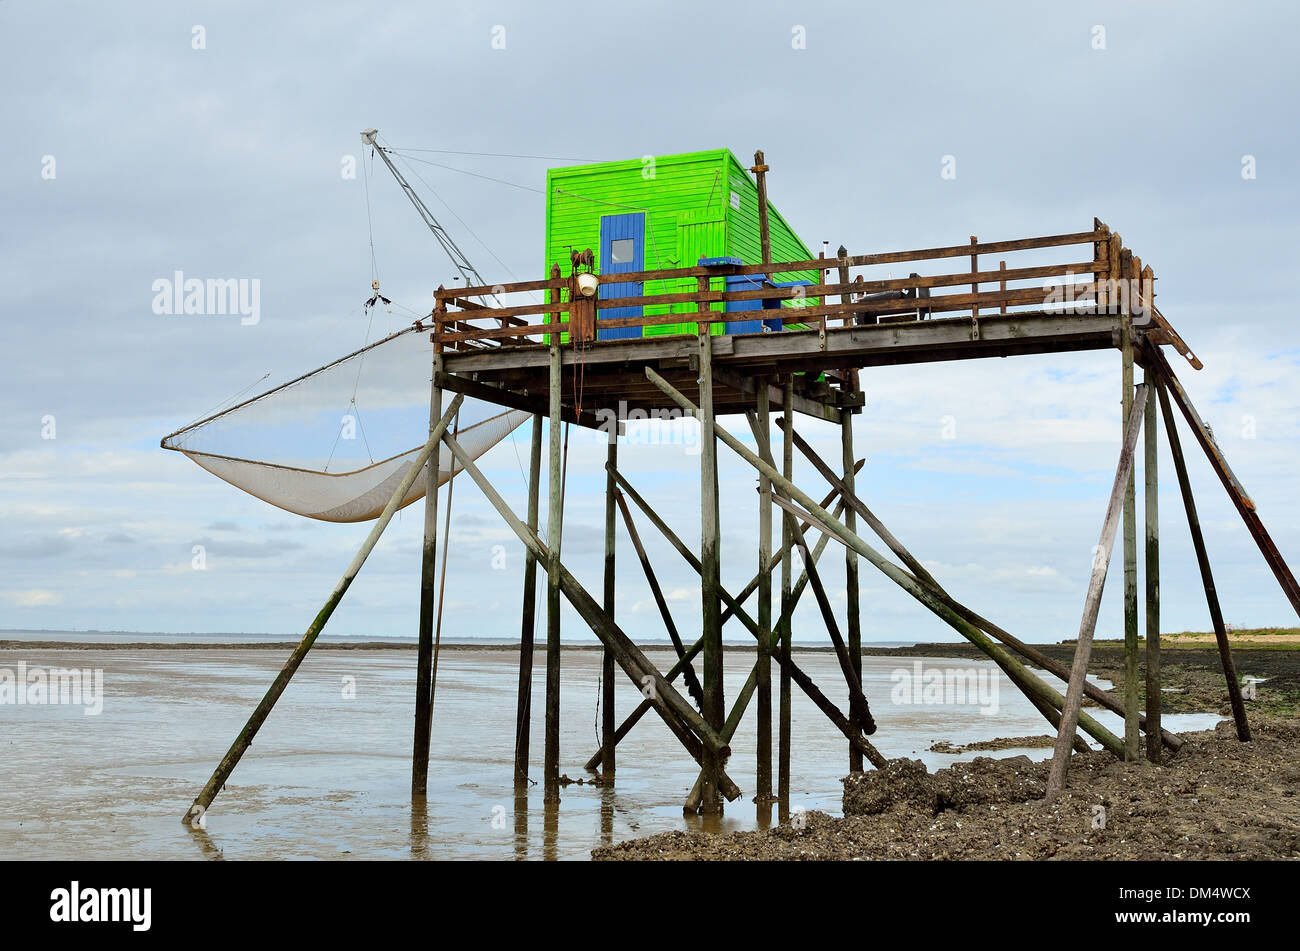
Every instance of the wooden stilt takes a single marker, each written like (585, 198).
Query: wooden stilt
(524, 707)
(1151, 560)
(785, 628)
(763, 668)
(714, 709)
(554, 532)
(1130, 534)
(852, 591)
(607, 719)
(428, 606)
(1101, 561)
(1207, 576)
(263, 709)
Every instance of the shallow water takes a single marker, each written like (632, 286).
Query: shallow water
(329, 774)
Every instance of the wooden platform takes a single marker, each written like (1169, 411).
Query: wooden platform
(609, 376)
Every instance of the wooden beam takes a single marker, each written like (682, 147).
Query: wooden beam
(1131, 743)
(763, 663)
(1151, 561)
(1070, 713)
(607, 718)
(1207, 575)
(528, 623)
(428, 605)
(554, 534)
(784, 630)
(1236, 492)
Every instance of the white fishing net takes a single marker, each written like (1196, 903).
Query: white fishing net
(335, 443)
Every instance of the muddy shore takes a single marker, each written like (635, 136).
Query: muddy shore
(1216, 798)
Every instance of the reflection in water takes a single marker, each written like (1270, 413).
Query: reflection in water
(419, 827)
(607, 814)
(550, 831)
(521, 822)
(207, 847)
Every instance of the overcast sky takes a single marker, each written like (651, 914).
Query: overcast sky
(146, 138)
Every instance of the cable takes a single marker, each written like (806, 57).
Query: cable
(465, 171)
(548, 158)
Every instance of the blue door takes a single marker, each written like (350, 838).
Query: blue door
(622, 250)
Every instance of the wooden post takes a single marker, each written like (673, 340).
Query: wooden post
(851, 584)
(714, 705)
(1151, 504)
(524, 708)
(1002, 285)
(1131, 740)
(975, 288)
(764, 235)
(763, 775)
(1070, 712)
(607, 719)
(1207, 576)
(554, 532)
(787, 546)
(263, 708)
(428, 600)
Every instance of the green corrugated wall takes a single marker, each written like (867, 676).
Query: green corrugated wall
(697, 204)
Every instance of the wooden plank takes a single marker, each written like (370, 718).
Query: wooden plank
(1070, 713)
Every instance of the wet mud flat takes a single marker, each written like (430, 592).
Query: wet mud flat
(1216, 798)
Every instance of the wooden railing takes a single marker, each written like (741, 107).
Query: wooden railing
(1104, 277)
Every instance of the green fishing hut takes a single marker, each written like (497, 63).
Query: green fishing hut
(669, 211)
